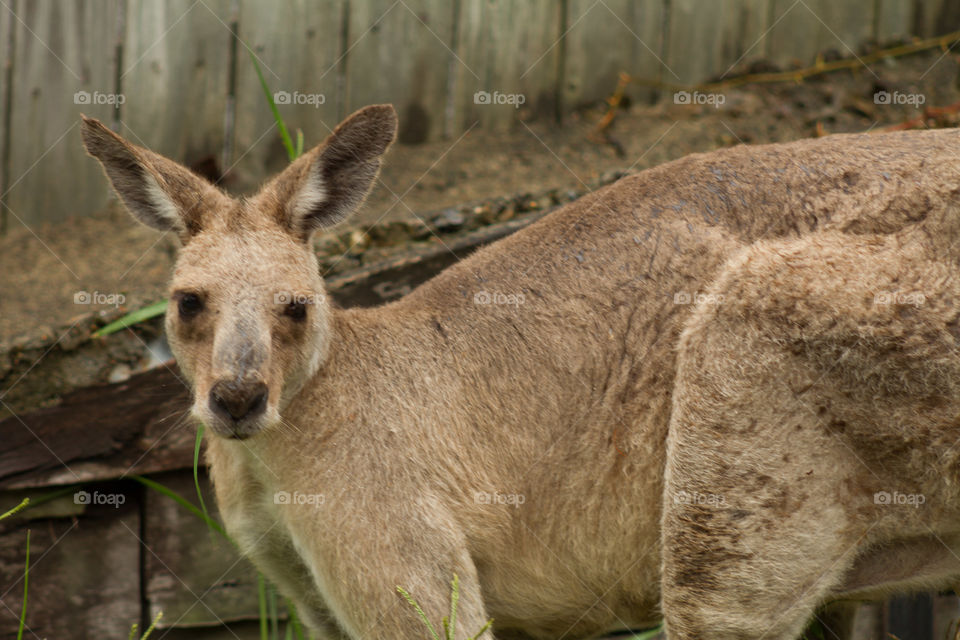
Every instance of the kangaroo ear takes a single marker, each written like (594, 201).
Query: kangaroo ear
(326, 184)
(158, 192)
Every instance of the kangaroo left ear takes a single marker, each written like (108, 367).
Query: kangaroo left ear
(329, 182)
(158, 192)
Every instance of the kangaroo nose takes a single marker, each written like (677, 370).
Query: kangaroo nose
(238, 399)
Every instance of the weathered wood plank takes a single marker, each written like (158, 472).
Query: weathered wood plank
(62, 48)
(845, 26)
(508, 50)
(868, 622)
(100, 432)
(193, 575)
(84, 575)
(926, 18)
(804, 29)
(893, 20)
(946, 616)
(407, 47)
(7, 40)
(174, 76)
(176, 68)
(910, 617)
(948, 17)
(694, 42)
(54, 360)
(303, 64)
(745, 34)
(605, 39)
(794, 33)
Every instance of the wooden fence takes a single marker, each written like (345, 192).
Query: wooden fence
(178, 75)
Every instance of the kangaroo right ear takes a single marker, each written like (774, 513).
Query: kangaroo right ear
(327, 183)
(158, 192)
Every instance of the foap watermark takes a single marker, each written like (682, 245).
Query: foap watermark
(914, 298)
(312, 99)
(695, 497)
(97, 498)
(288, 297)
(97, 97)
(496, 297)
(684, 297)
(497, 497)
(896, 498)
(285, 497)
(96, 297)
(897, 97)
(696, 97)
(486, 97)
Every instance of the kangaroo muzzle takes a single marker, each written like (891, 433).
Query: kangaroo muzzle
(238, 400)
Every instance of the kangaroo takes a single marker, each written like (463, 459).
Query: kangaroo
(722, 391)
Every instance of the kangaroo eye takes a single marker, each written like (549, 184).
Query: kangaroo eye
(189, 305)
(296, 311)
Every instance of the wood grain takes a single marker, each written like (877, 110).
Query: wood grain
(62, 48)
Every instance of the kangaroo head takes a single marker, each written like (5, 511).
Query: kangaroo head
(247, 319)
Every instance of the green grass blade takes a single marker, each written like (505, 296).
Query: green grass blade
(295, 621)
(274, 613)
(33, 503)
(133, 631)
(299, 142)
(183, 502)
(16, 509)
(45, 498)
(262, 597)
(153, 625)
(26, 580)
(132, 318)
(416, 606)
(284, 134)
(648, 635)
(454, 600)
(196, 466)
(483, 630)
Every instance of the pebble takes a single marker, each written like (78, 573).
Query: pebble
(120, 373)
(448, 219)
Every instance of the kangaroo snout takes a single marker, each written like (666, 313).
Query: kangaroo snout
(238, 400)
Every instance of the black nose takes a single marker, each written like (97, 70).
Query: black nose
(238, 399)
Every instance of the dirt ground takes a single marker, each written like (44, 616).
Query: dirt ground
(44, 268)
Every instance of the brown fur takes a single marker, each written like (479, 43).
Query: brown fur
(595, 403)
